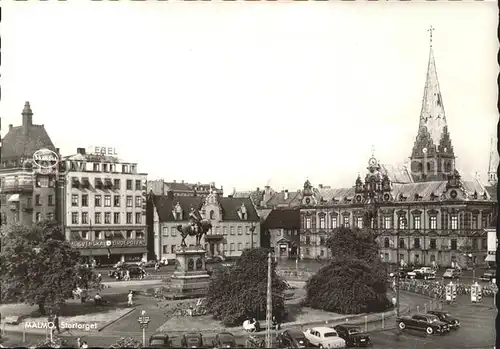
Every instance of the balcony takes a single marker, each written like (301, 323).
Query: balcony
(87, 244)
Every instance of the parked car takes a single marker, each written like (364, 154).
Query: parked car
(134, 270)
(488, 276)
(324, 337)
(451, 274)
(402, 274)
(214, 259)
(292, 339)
(352, 335)
(148, 264)
(425, 273)
(424, 322)
(160, 341)
(192, 340)
(445, 317)
(224, 340)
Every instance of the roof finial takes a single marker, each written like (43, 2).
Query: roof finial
(430, 30)
(373, 151)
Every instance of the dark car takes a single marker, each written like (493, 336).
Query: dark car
(160, 341)
(134, 270)
(424, 322)
(224, 340)
(445, 317)
(292, 339)
(214, 259)
(192, 340)
(352, 335)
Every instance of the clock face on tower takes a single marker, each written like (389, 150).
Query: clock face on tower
(372, 161)
(424, 150)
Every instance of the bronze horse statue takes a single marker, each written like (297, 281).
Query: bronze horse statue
(198, 229)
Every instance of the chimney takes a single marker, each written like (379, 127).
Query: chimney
(10, 127)
(80, 151)
(27, 117)
(286, 194)
(320, 186)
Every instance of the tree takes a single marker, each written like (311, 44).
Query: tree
(355, 280)
(37, 266)
(240, 292)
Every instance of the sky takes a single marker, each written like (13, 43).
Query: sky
(246, 94)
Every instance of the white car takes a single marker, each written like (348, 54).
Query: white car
(324, 337)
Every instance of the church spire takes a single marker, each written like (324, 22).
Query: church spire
(493, 164)
(432, 155)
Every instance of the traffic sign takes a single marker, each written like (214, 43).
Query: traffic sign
(144, 325)
(143, 319)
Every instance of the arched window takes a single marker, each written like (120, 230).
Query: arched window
(212, 214)
(386, 242)
(429, 167)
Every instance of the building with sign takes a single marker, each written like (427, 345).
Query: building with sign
(104, 206)
(235, 223)
(160, 187)
(28, 171)
(492, 245)
(426, 211)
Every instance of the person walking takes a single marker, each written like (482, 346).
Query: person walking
(79, 343)
(130, 299)
(56, 323)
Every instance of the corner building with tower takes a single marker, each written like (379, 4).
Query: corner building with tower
(425, 212)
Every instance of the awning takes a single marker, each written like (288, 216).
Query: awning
(14, 198)
(490, 258)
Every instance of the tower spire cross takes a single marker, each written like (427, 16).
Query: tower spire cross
(430, 30)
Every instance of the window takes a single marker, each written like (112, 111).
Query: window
(475, 244)
(247, 245)
(85, 218)
(129, 184)
(37, 200)
(85, 235)
(308, 240)
(432, 244)
(247, 230)
(96, 167)
(107, 218)
(231, 230)
(346, 221)
(116, 217)
(50, 200)
(474, 221)
(38, 216)
(416, 243)
(387, 222)
(453, 244)
(116, 201)
(433, 258)
(173, 231)
(50, 216)
(240, 230)
(172, 248)
(129, 201)
(401, 222)
(322, 222)
(401, 243)
(116, 184)
(484, 244)
(484, 220)
(231, 246)
(433, 222)
(239, 246)
(107, 200)
(416, 222)
(138, 218)
(359, 222)
(98, 218)
(454, 221)
(386, 243)
(177, 216)
(165, 249)
(74, 200)
(138, 201)
(99, 235)
(334, 222)
(98, 200)
(85, 200)
(129, 234)
(308, 222)
(212, 214)
(137, 184)
(165, 231)
(224, 230)
(225, 247)
(74, 217)
(386, 257)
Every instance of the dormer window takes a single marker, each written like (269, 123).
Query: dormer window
(242, 212)
(474, 196)
(402, 197)
(433, 196)
(212, 215)
(75, 182)
(417, 197)
(177, 212)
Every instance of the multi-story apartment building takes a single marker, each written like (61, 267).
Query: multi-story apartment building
(160, 187)
(105, 206)
(427, 212)
(28, 185)
(281, 231)
(233, 220)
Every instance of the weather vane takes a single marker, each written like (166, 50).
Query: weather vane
(373, 151)
(430, 30)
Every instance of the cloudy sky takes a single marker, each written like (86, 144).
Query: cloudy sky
(246, 94)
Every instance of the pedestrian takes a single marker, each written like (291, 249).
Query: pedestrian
(130, 299)
(98, 299)
(127, 275)
(99, 278)
(78, 342)
(84, 345)
(56, 323)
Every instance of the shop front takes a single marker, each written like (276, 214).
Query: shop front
(105, 252)
(285, 248)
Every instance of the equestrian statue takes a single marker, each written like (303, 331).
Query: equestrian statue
(198, 226)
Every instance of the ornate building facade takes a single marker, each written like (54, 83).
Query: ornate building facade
(427, 212)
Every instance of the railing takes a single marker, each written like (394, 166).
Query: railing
(84, 244)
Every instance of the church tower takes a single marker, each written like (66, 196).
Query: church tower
(432, 157)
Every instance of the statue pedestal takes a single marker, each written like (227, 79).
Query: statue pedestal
(191, 275)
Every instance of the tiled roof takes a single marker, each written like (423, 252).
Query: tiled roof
(255, 195)
(397, 174)
(493, 192)
(17, 144)
(178, 186)
(230, 206)
(242, 194)
(263, 213)
(283, 218)
(423, 189)
(278, 199)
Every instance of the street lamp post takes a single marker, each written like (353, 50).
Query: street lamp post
(397, 273)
